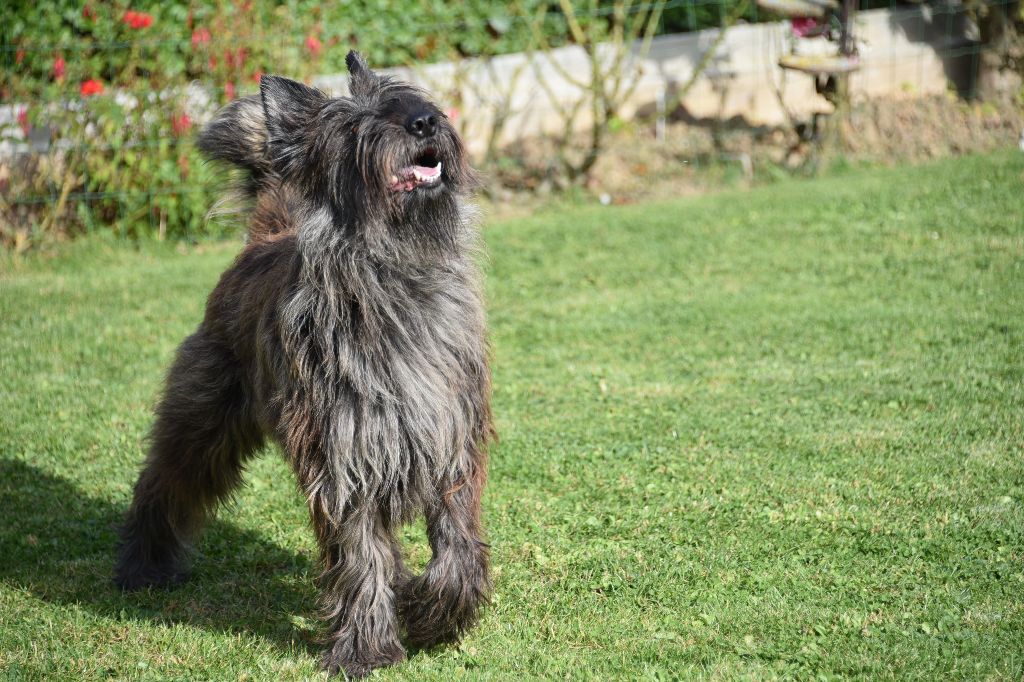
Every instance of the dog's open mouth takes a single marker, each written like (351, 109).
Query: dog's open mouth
(425, 171)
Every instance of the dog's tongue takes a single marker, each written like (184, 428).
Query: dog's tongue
(427, 171)
(411, 177)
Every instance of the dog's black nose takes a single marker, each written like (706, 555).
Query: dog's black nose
(422, 124)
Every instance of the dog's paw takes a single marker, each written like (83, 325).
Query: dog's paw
(355, 664)
(437, 611)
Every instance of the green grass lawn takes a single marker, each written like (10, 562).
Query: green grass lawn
(776, 433)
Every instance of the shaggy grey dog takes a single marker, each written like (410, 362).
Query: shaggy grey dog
(350, 330)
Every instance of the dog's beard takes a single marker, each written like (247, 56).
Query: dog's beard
(406, 190)
(416, 224)
(394, 160)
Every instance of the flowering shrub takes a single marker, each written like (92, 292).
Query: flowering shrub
(106, 99)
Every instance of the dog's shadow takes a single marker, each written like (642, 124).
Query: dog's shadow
(58, 544)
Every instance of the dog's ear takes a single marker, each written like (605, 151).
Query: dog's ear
(361, 78)
(238, 134)
(287, 105)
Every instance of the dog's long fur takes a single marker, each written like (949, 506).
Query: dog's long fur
(350, 330)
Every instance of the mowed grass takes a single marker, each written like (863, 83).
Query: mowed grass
(755, 435)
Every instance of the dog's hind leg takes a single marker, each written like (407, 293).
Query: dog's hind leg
(443, 603)
(202, 435)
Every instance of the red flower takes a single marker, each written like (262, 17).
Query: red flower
(256, 76)
(58, 68)
(452, 114)
(314, 45)
(180, 124)
(137, 20)
(802, 26)
(91, 87)
(19, 56)
(23, 121)
(229, 90)
(235, 59)
(88, 12)
(213, 61)
(200, 36)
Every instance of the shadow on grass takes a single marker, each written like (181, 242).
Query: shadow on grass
(58, 544)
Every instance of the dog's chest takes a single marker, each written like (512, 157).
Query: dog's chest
(417, 343)
(395, 368)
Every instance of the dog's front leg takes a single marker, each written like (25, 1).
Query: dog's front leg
(357, 548)
(443, 603)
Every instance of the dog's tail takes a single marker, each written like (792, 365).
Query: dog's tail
(238, 135)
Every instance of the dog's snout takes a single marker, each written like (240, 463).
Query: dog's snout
(422, 124)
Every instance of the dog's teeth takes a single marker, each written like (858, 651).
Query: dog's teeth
(394, 179)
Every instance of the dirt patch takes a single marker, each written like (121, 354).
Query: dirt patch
(697, 156)
(931, 128)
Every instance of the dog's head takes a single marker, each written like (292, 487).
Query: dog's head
(385, 151)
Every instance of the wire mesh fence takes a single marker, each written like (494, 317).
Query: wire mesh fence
(101, 101)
